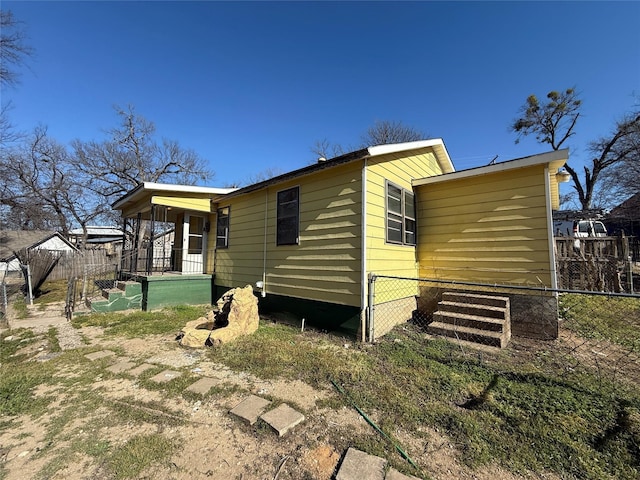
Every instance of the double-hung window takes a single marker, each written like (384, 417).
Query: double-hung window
(222, 227)
(401, 215)
(288, 217)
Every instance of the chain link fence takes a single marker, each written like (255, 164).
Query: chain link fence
(583, 331)
(12, 283)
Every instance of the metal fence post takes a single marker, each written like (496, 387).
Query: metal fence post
(29, 285)
(630, 274)
(371, 306)
(5, 300)
(85, 275)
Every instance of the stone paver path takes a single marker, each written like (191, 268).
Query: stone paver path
(282, 418)
(165, 376)
(122, 366)
(140, 369)
(98, 355)
(250, 408)
(356, 465)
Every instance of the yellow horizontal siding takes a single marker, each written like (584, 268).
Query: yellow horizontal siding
(485, 229)
(399, 169)
(185, 203)
(326, 264)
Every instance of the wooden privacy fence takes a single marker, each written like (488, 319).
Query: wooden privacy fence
(603, 264)
(73, 264)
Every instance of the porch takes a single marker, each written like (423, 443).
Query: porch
(167, 255)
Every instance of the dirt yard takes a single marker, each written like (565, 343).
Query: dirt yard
(208, 441)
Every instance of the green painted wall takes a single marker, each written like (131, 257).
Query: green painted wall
(162, 291)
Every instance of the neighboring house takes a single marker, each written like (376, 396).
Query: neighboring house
(312, 236)
(12, 241)
(97, 237)
(163, 242)
(625, 217)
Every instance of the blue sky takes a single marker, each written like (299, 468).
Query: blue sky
(252, 86)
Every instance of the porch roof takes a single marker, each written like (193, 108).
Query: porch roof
(149, 188)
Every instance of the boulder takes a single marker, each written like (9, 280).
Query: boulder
(235, 314)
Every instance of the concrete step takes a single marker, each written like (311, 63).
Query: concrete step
(474, 345)
(130, 288)
(112, 293)
(476, 298)
(473, 321)
(124, 296)
(473, 309)
(117, 303)
(485, 337)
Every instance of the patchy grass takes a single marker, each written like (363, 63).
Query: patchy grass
(278, 350)
(140, 452)
(51, 292)
(524, 418)
(616, 319)
(138, 324)
(52, 338)
(18, 378)
(525, 413)
(11, 341)
(20, 307)
(16, 391)
(130, 410)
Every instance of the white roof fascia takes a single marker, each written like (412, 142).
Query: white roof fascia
(168, 187)
(498, 167)
(437, 144)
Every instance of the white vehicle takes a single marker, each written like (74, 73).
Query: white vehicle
(579, 228)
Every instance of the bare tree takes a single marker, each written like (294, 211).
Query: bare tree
(386, 132)
(381, 133)
(325, 149)
(133, 155)
(41, 188)
(620, 154)
(13, 49)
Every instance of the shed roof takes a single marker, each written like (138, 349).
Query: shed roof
(630, 208)
(557, 158)
(15, 240)
(102, 231)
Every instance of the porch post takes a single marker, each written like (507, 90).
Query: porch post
(150, 249)
(136, 243)
(124, 243)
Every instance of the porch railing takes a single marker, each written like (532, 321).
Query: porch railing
(146, 261)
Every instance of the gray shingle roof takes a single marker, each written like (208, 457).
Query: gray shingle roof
(16, 240)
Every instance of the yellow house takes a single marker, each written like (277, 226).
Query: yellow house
(308, 239)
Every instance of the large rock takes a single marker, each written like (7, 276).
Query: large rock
(235, 314)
